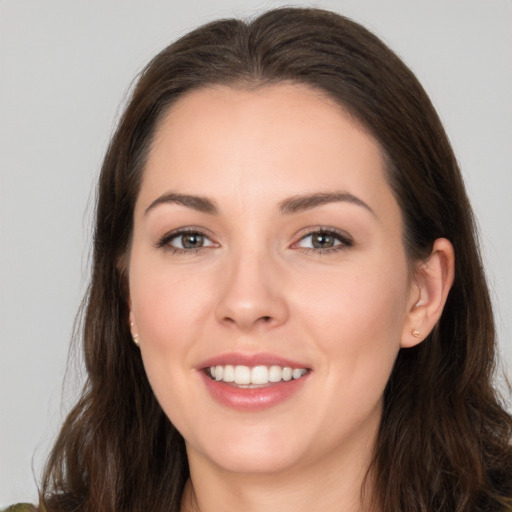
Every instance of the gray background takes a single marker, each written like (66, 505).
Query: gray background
(65, 67)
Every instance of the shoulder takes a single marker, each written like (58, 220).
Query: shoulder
(20, 507)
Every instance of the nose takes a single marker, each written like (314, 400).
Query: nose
(252, 293)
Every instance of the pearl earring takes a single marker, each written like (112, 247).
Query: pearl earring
(135, 336)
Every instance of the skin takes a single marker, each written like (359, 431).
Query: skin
(259, 285)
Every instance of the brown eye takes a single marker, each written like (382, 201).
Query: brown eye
(188, 240)
(191, 240)
(325, 240)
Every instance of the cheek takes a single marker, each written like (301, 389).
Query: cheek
(168, 304)
(356, 319)
(357, 302)
(357, 327)
(169, 311)
(169, 318)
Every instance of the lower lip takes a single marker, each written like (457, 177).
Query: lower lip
(252, 399)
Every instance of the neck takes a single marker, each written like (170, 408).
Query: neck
(337, 482)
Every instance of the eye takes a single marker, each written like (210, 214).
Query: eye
(189, 241)
(185, 241)
(323, 240)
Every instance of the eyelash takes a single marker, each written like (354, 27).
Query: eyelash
(345, 241)
(165, 241)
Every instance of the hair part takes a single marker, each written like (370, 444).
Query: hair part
(444, 440)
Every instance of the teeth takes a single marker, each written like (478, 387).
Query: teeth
(257, 375)
(242, 374)
(229, 373)
(275, 373)
(297, 373)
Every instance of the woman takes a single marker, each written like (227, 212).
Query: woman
(287, 307)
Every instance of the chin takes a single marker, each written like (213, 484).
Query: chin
(260, 462)
(249, 452)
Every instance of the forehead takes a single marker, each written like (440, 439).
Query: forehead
(282, 111)
(280, 140)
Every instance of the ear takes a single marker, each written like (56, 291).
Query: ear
(131, 319)
(133, 328)
(432, 281)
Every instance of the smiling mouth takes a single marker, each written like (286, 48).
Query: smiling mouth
(255, 376)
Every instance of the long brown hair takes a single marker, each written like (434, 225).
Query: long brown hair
(444, 441)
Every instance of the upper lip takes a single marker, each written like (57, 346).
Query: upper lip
(258, 359)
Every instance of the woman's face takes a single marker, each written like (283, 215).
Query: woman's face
(267, 240)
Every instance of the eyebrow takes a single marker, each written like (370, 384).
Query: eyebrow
(201, 204)
(309, 201)
(288, 206)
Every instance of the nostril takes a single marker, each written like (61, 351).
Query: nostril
(266, 318)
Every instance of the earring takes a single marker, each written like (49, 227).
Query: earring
(135, 336)
(415, 333)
